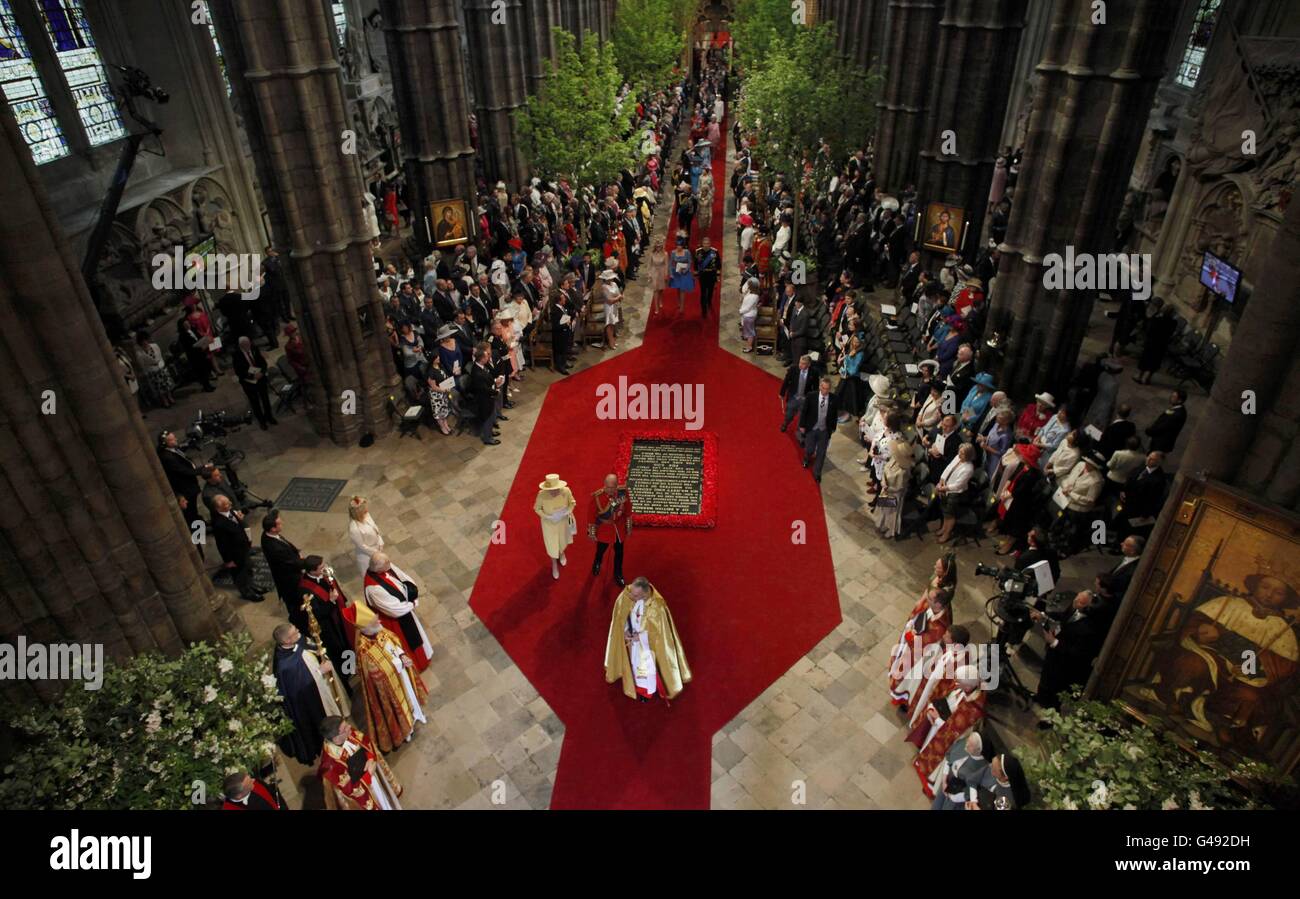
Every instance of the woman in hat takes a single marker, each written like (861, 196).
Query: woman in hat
(930, 412)
(554, 507)
(658, 275)
(706, 200)
(681, 272)
(436, 376)
(612, 295)
(977, 400)
(1020, 481)
(886, 508)
(154, 364)
(749, 314)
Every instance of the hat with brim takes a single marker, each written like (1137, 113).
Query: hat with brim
(505, 315)
(1046, 399)
(609, 275)
(984, 379)
(879, 384)
(928, 363)
(952, 261)
(1030, 452)
(967, 272)
(446, 331)
(552, 482)
(975, 282)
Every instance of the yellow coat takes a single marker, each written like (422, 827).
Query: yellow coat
(670, 657)
(556, 534)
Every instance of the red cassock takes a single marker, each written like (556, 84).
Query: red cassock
(347, 611)
(958, 724)
(406, 628)
(908, 655)
(607, 520)
(260, 799)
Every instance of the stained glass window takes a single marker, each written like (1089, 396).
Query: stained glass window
(26, 94)
(341, 23)
(221, 58)
(65, 21)
(1189, 71)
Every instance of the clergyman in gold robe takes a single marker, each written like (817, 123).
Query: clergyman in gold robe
(644, 649)
(393, 689)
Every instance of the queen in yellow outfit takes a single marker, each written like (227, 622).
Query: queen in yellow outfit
(643, 649)
(554, 506)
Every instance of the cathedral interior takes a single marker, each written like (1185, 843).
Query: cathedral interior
(139, 130)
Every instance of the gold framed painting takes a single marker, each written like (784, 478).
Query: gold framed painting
(451, 222)
(942, 228)
(1211, 648)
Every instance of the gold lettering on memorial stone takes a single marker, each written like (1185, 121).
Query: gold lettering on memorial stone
(666, 477)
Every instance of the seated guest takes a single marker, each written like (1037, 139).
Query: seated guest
(1074, 639)
(952, 489)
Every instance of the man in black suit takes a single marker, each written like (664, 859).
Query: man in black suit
(286, 564)
(183, 476)
(817, 422)
(430, 321)
(561, 331)
(237, 313)
(1165, 429)
(1144, 496)
(962, 376)
(800, 380)
(1039, 551)
(1117, 433)
(941, 446)
(800, 328)
(234, 546)
(1074, 639)
(1113, 584)
(708, 265)
(910, 278)
(250, 369)
(484, 385)
(443, 304)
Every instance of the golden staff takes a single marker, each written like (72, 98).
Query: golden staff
(340, 696)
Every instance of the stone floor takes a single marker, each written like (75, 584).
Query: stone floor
(823, 733)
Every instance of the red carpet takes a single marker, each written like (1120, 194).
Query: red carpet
(747, 599)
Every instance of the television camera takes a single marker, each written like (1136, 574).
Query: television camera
(207, 430)
(1019, 593)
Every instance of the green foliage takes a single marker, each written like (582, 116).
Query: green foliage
(154, 729)
(573, 127)
(760, 27)
(649, 38)
(1097, 756)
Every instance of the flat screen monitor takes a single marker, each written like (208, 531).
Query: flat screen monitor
(1220, 277)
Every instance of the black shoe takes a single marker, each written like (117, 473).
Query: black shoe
(502, 418)
(492, 442)
(805, 463)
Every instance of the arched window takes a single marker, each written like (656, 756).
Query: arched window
(1189, 70)
(341, 22)
(25, 92)
(74, 47)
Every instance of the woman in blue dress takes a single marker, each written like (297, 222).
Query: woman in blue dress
(681, 277)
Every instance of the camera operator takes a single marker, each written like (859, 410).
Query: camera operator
(1039, 551)
(215, 486)
(1074, 638)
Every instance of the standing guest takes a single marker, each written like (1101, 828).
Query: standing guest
(749, 315)
(242, 792)
(817, 422)
(308, 699)
(799, 330)
(1163, 432)
(561, 331)
(484, 390)
(997, 440)
(393, 692)
(681, 276)
(852, 387)
(799, 382)
(612, 295)
(1050, 435)
(250, 369)
(295, 350)
(286, 564)
(1017, 486)
(353, 771)
(1035, 416)
(194, 347)
(363, 532)
(609, 521)
(1123, 465)
(708, 264)
(952, 489)
(393, 596)
(1159, 333)
(554, 506)
(154, 364)
(886, 507)
(234, 546)
(977, 400)
(183, 476)
(215, 485)
(1114, 436)
(1144, 496)
(658, 276)
(439, 385)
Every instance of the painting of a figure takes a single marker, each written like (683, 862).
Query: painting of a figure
(1222, 658)
(943, 227)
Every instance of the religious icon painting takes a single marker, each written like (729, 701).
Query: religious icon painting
(450, 222)
(942, 229)
(1212, 641)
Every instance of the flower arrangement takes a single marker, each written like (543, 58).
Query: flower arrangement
(161, 733)
(1096, 756)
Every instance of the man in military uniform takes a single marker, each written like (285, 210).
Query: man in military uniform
(610, 521)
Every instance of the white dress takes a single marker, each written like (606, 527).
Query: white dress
(367, 541)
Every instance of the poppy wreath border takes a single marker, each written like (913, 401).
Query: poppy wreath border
(707, 516)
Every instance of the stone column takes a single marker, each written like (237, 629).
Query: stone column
(1032, 40)
(93, 548)
(1257, 453)
(496, 58)
(423, 40)
(287, 81)
(1096, 83)
(968, 96)
(542, 16)
(913, 36)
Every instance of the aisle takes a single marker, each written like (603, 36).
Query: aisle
(749, 596)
